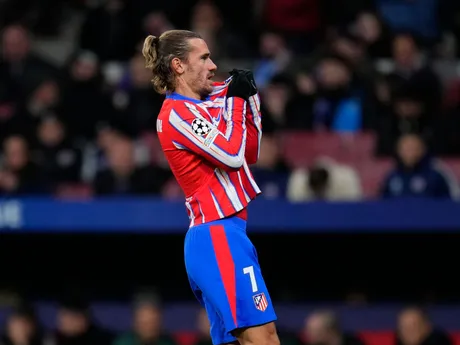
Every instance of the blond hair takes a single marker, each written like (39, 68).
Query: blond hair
(160, 51)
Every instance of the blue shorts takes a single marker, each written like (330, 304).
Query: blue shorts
(225, 276)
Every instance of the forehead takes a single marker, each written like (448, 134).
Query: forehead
(332, 65)
(14, 34)
(403, 42)
(198, 46)
(314, 321)
(14, 143)
(410, 141)
(410, 317)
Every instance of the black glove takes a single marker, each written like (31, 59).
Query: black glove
(240, 86)
(249, 75)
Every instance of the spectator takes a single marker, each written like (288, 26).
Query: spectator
(406, 115)
(45, 97)
(274, 98)
(336, 108)
(271, 171)
(299, 108)
(22, 117)
(147, 327)
(19, 175)
(410, 96)
(84, 104)
(374, 33)
(416, 328)
(20, 69)
(323, 328)
(123, 177)
(109, 31)
(76, 327)
(135, 102)
(416, 173)
(207, 20)
(204, 329)
(324, 180)
(351, 48)
(154, 23)
(304, 84)
(413, 72)
(57, 156)
(22, 328)
(275, 57)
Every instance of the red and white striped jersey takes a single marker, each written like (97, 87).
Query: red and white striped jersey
(209, 145)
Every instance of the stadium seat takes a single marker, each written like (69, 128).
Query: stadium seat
(185, 338)
(453, 164)
(455, 337)
(451, 170)
(377, 337)
(302, 148)
(373, 173)
(368, 337)
(74, 191)
(452, 94)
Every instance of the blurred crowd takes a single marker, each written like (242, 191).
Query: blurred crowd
(75, 325)
(86, 125)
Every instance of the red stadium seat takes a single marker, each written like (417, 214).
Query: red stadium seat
(455, 337)
(377, 337)
(74, 191)
(453, 164)
(362, 146)
(373, 173)
(302, 148)
(368, 337)
(451, 170)
(387, 337)
(185, 338)
(452, 94)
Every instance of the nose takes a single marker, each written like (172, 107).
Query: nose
(213, 66)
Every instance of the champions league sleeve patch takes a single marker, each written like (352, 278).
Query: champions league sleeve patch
(201, 127)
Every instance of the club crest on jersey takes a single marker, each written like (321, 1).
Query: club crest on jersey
(201, 127)
(260, 301)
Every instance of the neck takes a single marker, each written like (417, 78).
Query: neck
(336, 340)
(183, 89)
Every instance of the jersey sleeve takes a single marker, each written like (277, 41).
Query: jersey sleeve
(254, 129)
(191, 130)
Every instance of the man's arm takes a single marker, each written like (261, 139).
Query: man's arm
(253, 116)
(254, 129)
(190, 130)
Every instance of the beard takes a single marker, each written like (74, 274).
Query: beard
(205, 92)
(201, 84)
(203, 87)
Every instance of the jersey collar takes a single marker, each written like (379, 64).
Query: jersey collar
(177, 97)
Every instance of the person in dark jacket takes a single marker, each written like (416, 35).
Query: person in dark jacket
(76, 325)
(416, 328)
(323, 327)
(416, 173)
(23, 327)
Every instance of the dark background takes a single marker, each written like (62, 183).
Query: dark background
(300, 267)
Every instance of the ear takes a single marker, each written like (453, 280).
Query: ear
(177, 66)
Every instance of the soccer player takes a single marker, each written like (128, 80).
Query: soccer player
(209, 133)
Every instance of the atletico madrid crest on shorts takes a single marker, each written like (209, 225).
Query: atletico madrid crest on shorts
(260, 301)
